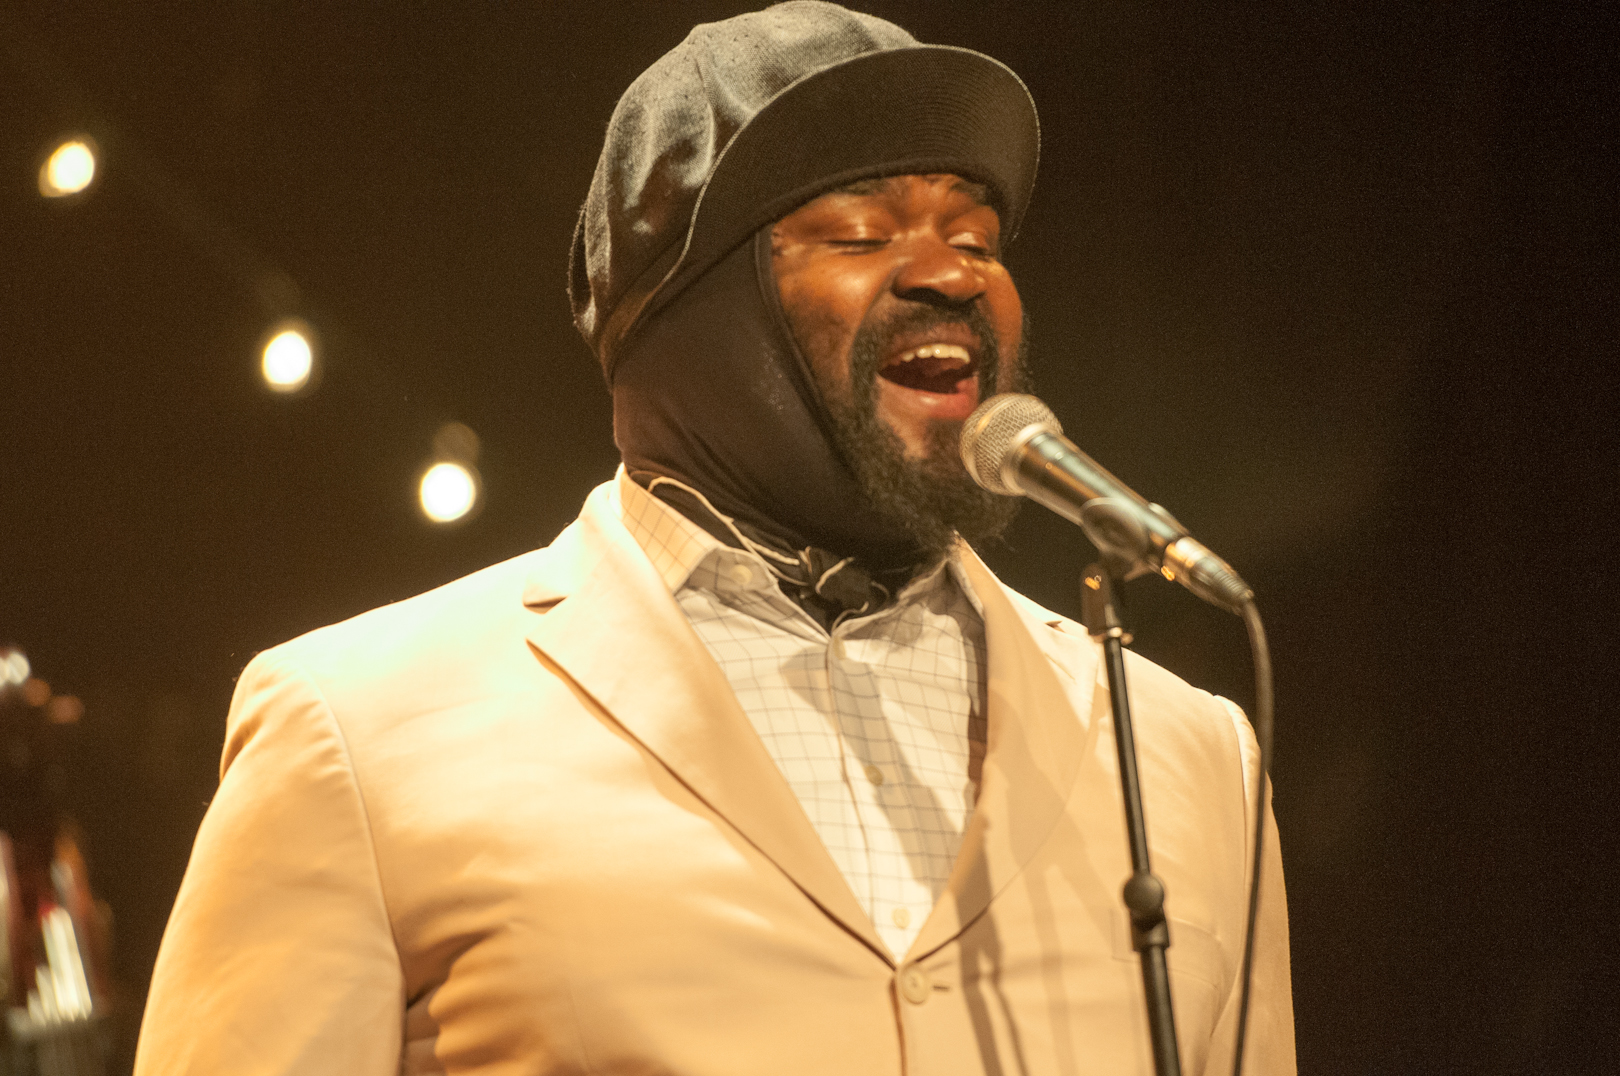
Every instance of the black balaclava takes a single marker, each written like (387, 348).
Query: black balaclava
(671, 276)
(712, 392)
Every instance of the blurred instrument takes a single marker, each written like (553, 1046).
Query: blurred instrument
(53, 948)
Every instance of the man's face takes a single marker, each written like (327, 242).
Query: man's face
(914, 262)
(896, 294)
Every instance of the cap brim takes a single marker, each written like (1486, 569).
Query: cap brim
(920, 110)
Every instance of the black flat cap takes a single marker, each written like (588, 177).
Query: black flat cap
(749, 118)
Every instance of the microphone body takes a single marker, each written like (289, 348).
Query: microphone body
(1012, 444)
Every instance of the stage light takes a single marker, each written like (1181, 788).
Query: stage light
(288, 360)
(64, 710)
(36, 692)
(448, 492)
(69, 169)
(13, 668)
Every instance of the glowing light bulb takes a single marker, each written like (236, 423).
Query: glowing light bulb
(69, 169)
(288, 360)
(448, 492)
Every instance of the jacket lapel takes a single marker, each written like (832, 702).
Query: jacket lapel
(611, 626)
(1040, 729)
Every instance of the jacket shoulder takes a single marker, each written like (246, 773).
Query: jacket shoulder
(1158, 695)
(403, 630)
(446, 641)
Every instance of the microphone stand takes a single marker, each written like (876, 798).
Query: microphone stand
(1144, 893)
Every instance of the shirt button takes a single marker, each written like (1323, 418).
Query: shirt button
(901, 917)
(915, 986)
(874, 774)
(742, 574)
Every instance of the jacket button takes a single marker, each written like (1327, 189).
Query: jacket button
(915, 985)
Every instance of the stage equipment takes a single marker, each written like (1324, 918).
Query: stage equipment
(53, 935)
(1013, 445)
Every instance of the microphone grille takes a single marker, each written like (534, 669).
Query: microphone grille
(989, 433)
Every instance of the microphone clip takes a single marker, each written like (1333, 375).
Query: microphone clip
(1114, 526)
(1099, 604)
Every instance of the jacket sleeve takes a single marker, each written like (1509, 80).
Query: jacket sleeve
(278, 957)
(1269, 1043)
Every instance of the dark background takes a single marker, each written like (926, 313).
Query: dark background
(1332, 282)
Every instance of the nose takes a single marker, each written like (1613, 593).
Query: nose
(937, 273)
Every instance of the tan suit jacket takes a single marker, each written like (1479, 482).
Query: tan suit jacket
(519, 824)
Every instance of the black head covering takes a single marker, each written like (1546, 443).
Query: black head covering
(670, 276)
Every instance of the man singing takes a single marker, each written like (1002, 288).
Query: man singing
(757, 767)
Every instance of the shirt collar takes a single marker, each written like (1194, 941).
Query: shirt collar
(677, 546)
(674, 544)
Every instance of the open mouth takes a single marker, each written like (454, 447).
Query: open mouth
(939, 368)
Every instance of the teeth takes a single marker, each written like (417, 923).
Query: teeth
(939, 351)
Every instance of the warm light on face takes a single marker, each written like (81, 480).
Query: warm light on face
(288, 361)
(69, 170)
(448, 492)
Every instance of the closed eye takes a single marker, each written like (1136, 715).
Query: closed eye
(976, 245)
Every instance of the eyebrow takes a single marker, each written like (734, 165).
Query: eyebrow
(881, 184)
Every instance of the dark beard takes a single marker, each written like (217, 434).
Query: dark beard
(931, 498)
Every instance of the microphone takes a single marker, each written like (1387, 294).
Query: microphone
(1013, 445)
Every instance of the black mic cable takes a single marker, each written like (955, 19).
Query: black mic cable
(1263, 703)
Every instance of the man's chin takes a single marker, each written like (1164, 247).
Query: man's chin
(927, 492)
(933, 447)
(919, 481)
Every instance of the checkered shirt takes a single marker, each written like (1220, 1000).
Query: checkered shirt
(878, 726)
